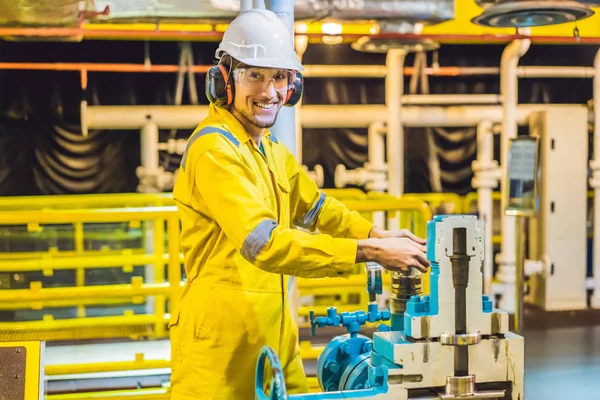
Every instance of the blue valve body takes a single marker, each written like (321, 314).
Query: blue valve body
(352, 321)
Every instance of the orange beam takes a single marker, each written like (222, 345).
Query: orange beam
(84, 68)
(101, 67)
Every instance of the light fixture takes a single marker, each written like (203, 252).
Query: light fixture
(370, 44)
(530, 13)
(331, 28)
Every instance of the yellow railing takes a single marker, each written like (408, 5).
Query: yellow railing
(80, 262)
(110, 200)
(84, 234)
(447, 203)
(65, 233)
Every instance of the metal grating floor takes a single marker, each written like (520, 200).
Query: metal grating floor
(562, 364)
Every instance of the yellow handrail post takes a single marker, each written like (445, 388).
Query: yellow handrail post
(173, 229)
(159, 275)
(79, 272)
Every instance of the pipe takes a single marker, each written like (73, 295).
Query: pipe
(509, 90)
(485, 180)
(285, 125)
(453, 99)
(376, 143)
(300, 44)
(149, 145)
(313, 116)
(376, 149)
(556, 72)
(394, 89)
(595, 183)
(311, 71)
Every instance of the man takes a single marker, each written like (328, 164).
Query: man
(239, 193)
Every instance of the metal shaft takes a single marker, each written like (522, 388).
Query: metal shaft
(460, 277)
(404, 285)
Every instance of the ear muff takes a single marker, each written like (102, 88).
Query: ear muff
(295, 93)
(218, 88)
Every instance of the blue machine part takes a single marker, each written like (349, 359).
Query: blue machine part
(429, 305)
(375, 380)
(352, 321)
(343, 364)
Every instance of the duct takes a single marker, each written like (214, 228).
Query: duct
(434, 11)
(63, 13)
(192, 11)
(423, 11)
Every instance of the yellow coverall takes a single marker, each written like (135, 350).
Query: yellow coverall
(237, 207)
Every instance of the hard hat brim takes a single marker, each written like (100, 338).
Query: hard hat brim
(271, 63)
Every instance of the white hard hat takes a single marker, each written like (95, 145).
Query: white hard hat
(259, 38)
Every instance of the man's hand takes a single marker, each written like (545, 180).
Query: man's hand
(395, 233)
(400, 254)
(394, 254)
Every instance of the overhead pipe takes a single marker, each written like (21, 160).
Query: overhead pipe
(485, 180)
(509, 90)
(311, 71)
(595, 184)
(313, 116)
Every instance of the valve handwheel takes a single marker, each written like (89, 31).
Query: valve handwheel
(277, 390)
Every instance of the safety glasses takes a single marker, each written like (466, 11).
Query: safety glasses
(257, 79)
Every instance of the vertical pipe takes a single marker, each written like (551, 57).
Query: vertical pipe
(394, 89)
(486, 181)
(509, 91)
(150, 162)
(301, 43)
(595, 183)
(285, 126)
(376, 148)
(376, 145)
(149, 145)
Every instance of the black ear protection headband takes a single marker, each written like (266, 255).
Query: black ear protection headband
(219, 88)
